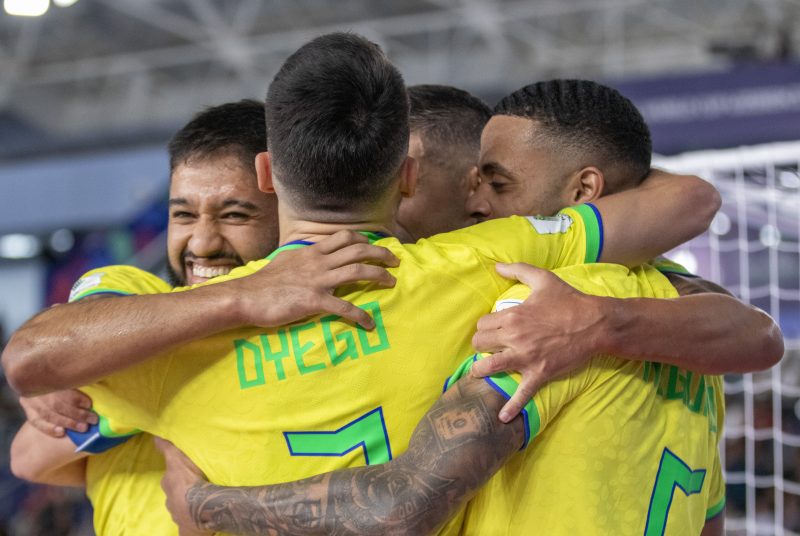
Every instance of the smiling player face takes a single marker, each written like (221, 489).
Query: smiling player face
(218, 219)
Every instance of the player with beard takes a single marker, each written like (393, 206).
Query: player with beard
(218, 220)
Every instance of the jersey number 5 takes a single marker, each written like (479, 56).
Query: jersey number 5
(368, 432)
(672, 473)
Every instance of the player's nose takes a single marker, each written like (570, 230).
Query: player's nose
(206, 239)
(478, 205)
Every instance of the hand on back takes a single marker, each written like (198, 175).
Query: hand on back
(300, 283)
(549, 335)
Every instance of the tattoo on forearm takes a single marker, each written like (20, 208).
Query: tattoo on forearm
(455, 427)
(453, 451)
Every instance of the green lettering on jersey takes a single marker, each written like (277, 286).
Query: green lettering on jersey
(299, 350)
(342, 343)
(242, 346)
(674, 383)
(712, 408)
(349, 352)
(700, 397)
(380, 331)
(678, 384)
(276, 357)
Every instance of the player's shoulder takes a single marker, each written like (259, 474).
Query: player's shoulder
(495, 227)
(246, 269)
(604, 279)
(490, 232)
(584, 217)
(243, 270)
(238, 272)
(117, 279)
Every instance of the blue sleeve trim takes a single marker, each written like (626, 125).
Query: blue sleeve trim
(446, 381)
(93, 442)
(600, 229)
(524, 412)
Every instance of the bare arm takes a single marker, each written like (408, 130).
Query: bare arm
(559, 328)
(706, 330)
(38, 457)
(662, 213)
(455, 449)
(76, 344)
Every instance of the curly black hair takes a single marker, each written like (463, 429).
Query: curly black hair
(586, 118)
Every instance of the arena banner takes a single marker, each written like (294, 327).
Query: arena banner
(742, 106)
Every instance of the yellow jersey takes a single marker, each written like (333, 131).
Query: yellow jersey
(124, 487)
(616, 447)
(123, 483)
(258, 406)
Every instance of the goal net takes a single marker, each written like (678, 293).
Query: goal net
(752, 249)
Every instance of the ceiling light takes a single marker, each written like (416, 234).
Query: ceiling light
(64, 3)
(26, 8)
(19, 246)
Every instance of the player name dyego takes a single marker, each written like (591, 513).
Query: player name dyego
(292, 350)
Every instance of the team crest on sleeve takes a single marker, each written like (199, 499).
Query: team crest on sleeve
(506, 304)
(85, 283)
(551, 225)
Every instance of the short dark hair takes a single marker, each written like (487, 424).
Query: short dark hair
(447, 116)
(236, 128)
(337, 115)
(587, 118)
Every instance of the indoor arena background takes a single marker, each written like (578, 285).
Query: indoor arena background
(91, 90)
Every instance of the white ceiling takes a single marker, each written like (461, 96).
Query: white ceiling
(116, 71)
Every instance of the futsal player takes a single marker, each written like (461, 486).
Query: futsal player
(218, 220)
(546, 135)
(446, 125)
(244, 404)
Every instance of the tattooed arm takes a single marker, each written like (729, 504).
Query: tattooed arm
(456, 448)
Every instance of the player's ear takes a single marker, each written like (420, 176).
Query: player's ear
(408, 177)
(585, 185)
(264, 173)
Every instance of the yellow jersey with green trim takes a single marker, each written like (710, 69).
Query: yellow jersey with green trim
(258, 406)
(123, 483)
(617, 447)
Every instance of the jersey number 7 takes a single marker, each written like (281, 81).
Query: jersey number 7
(672, 473)
(367, 431)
